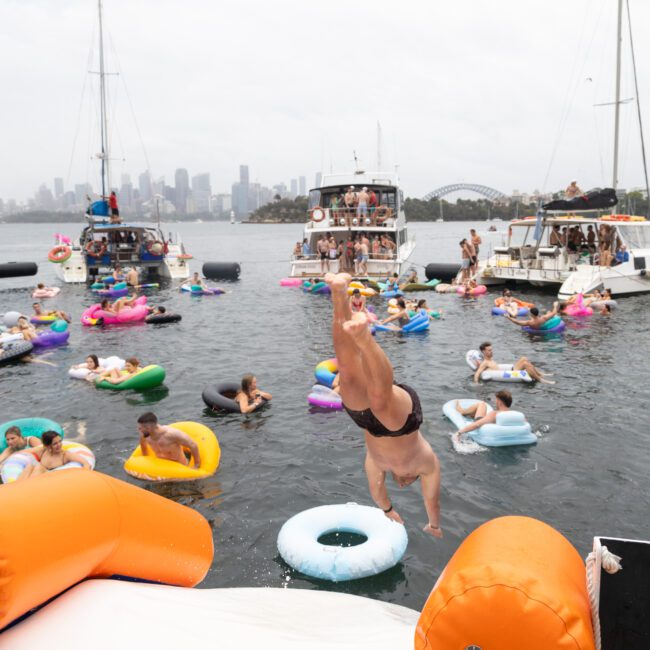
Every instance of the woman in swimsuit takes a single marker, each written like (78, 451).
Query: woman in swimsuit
(115, 376)
(389, 413)
(52, 456)
(402, 316)
(93, 367)
(17, 442)
(249, 397)
(357, 301)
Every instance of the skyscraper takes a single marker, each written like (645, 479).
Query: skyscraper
(302, 182)
(182, 185)
(294, 188)
(144, 185)
(201, 192)
(319, 179)
(58, 187)
(240, 193)
(243, 174)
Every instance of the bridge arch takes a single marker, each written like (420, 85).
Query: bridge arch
(488, 192)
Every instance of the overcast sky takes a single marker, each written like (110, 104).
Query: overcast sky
(465, 90)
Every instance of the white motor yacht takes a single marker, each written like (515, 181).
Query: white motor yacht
(328, 214)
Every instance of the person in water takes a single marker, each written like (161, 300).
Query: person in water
(522, 363)
(479, 412)
(509, 304)
(402, 316)
(115, 376)
(535, 321)
(24, 327)
(249, 397)
(118, 305)
(357, 301)
(132, 278)
(38, 311)
(17, 442)
(92, 365)
(390, 414)
(196, 281)
(166, 442)
(52, 455)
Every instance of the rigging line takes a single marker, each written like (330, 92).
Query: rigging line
(638, 107)
(128, 97)
(81, 104)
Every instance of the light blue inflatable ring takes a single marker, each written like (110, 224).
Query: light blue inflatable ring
(299, 547)
(29, 427)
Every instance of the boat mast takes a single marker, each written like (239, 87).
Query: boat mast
(617, 104)
(106, 176)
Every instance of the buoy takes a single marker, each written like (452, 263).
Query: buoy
(444, 272)
(221, 270)
(514, 582)
(18, 269)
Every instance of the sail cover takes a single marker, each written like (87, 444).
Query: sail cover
(98, 208)
(596, 199)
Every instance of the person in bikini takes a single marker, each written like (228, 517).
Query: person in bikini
(522, 363)
(479, 412)
(17, 442)
(249, 397)
(357, 301)
(52, 456)
(389, 413)
(115, 376)
(165, 441)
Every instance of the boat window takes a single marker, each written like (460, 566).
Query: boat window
(635, 236)
(387, 198)
(314, 198)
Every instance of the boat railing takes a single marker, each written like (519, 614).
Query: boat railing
(349, 217)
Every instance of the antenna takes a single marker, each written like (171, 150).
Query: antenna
(378, 146)
(356, 161)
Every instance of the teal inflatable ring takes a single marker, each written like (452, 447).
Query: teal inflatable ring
(29, 427)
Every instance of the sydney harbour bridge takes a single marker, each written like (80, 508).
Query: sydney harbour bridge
(488, 192)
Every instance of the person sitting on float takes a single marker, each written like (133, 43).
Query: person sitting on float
(115, 376)
(52, 456)
(249, 397)
(357, 301)
(479, 412)
(165, 441)
(92, 365)
(510, 306)
(411, 278)
(17, 442)
(118, 305)
(402, 316)
(392, 283)
(535, 321)
(157, 311)
(522, 363)
(38, 311)
(24, 327)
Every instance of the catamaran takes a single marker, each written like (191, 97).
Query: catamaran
(327, 214)
(106, 242)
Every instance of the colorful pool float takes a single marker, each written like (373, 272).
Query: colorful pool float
(147, 377)
(152, 468)
(127, 315)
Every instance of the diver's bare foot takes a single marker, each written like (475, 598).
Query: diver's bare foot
(338, 281)
(357, 326)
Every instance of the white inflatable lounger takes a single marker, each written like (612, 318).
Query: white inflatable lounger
(510, 428)
(505, 372)
(110, 614)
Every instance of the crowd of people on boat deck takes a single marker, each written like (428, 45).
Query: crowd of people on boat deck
(364, 206)
(604, 247)
(352, 254)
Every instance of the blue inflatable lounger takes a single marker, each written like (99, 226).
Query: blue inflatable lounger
(510, 428)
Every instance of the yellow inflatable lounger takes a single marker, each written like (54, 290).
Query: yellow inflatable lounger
(152, 468)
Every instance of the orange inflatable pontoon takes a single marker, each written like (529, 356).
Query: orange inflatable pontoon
(62, 527)
(498, 302)
(514, 583)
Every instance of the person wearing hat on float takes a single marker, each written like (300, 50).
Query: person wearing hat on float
(362, 207)
(573, 190)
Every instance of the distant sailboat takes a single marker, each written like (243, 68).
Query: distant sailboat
(232, 216)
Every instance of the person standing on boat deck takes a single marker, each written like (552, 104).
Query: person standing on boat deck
(476, 241)
(362, 206)
(573, 190)
(334, 204)
(372, 203)
(306, 248)
(555, 239)
(322, 247)
(114, 210)
(465, 260)
(591, 239)
(364, 250)
(389, 413)
(350, 201)
(473, 258)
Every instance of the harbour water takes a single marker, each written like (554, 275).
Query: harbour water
(587, 475)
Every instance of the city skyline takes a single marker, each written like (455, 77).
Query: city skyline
(465, 109)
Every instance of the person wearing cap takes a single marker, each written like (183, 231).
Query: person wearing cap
(362, 207)
(350, 200)
(573, 190)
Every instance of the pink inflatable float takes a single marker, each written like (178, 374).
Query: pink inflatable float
(476, 291)
(578, 308)
(46, 292)
(127, 315)
(291, 282)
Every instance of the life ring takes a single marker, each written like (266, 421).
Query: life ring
(382, 213)
(299, 546)
(59, 254)
(185, 256)
(317, 214)
(95, 248)
(150, 245)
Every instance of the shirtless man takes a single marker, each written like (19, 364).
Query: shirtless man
(572, 191)
(166, 442)
(555, 239)
(389, 413)
(323, 249)
(522, 363)
(362, 207)
(535, 321)
(479, 412)
(132, 278)
(350, 201)
(465, 260)
(475, 241)
(389, 245)
(38, 311)
(364, 250)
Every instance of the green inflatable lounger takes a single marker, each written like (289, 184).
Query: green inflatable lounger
(148, 377)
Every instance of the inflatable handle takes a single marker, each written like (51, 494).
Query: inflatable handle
(510, 418)
(85, 524)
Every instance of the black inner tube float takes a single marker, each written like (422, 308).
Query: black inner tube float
(159, 319)
(14, 351)
(220, 397)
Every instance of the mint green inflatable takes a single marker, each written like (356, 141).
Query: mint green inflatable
(29, 427)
